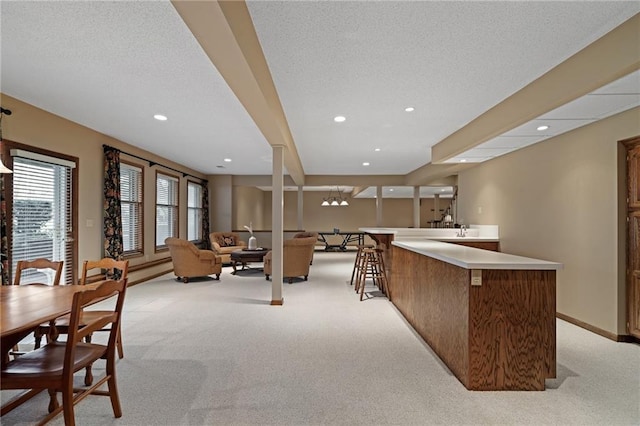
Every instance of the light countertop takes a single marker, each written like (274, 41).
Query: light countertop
(473, 258)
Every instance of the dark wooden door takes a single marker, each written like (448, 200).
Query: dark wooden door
(633, 243)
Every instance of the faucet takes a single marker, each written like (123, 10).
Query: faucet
(463, 231)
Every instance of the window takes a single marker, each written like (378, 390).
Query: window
(131, 208)
(41, 214)
(194, 211)
(166, 208)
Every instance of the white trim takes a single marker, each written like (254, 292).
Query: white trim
(44, 158)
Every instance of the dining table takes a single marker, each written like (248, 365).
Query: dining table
(25, 307)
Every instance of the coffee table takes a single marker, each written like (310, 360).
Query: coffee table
(245, 256)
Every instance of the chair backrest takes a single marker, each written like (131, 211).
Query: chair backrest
(51, 268)
(298, 250)
(108, 264)
(306, 234)
(77, 334)
(181, 248)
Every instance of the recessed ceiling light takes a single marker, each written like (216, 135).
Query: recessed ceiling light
(365, 164)
(227, 160)
(390, 189)
(377, 150)
(463, 161)
(541, 128)
(442, 190)
(339, 119)
(160, 117)
(409, 109)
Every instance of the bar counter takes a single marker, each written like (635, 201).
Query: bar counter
(489, 316)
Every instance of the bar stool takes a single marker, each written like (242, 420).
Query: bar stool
(372, 266)
(356, 263)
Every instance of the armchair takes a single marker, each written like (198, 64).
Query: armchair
(189, 261)
(223, 243)
(306, 234)
(296, 258)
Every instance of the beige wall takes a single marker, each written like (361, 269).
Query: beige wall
(559, 200)
(360, 213)
(35, 127)
(248, 207)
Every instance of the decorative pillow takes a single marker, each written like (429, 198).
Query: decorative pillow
(228, 242)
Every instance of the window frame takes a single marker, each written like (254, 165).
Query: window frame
(200, 208)
(5, 147)
(163, 247)
(136, 252)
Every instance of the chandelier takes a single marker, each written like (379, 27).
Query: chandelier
(337, 200)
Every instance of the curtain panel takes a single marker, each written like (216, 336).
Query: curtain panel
(113, 245)
(205, 215)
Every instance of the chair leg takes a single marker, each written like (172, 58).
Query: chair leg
(53, 401)
(217, 277)
(88, 375)
(67, 405)
(119, 344)
(113, 388)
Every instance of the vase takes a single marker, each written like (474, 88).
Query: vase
(253, 243)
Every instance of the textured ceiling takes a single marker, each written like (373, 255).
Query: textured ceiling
(112, 65)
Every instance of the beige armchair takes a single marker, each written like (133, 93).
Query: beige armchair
(297, 254)
(307, 234)
(189, 261)
(223, 243)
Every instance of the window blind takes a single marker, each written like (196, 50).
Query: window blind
(166, 208)
(194, 211)
(41, 216)
(131, 208)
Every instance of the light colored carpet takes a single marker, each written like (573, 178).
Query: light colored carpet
(212, 352)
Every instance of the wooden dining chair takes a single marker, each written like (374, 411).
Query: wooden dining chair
(110, 269)
(39, 265)
(52, 366)
(37, 269)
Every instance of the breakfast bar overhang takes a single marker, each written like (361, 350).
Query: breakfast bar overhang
(489, 316)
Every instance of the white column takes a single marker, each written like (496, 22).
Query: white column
(378, 206)
(300, 207)
(277, 224)
(416, 207)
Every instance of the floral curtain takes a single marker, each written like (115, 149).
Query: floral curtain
(4, 243)
(205, 214)
(113, 246)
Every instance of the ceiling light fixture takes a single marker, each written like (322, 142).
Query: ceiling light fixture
(335, 200)
(365, 164)
(160, 117)
(541, 128)
(227, 160)
(339, 119)
(463, 161)
(409, 109)
(377, 150)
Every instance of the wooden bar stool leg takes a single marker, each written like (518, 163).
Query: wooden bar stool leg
(361, 271)
(356, 264)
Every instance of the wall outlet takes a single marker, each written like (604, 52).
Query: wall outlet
(476, 277)
(479, 209)
(89, 223)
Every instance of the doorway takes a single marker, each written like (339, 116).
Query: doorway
(40, 210)
(633, 236)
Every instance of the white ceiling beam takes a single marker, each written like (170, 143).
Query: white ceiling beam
(609, 58)
(226, 33)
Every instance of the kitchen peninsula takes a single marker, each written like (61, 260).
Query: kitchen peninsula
(489, 316)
